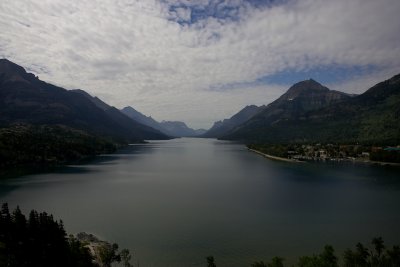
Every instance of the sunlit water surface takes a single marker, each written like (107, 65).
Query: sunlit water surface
(172, 203)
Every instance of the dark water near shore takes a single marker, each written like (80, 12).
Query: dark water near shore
(172, 203)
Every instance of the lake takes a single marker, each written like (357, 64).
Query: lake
(172, 203)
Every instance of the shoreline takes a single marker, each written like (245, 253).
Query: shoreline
(380, 163)
(368, 162)
(275, 157)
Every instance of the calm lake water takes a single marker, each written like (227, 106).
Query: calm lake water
(172, 203)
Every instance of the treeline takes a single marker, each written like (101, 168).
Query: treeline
(29, 145)
(38, 240)
(41, 241)
(377, 256)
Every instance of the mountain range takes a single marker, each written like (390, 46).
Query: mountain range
(309, 112)
(65, 125)
(42, 124)
(26, 99)
(170, 128)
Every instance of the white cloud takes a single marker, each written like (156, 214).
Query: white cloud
(133, 52)
(183, 14)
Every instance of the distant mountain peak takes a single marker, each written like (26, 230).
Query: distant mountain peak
(179, 129)
(312, 92)
(129, 108)
(175, 122)
(171, 128)
(304, 87)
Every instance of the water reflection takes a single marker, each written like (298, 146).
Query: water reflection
(174, 202)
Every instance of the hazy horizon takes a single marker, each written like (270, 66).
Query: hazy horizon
(201, 61)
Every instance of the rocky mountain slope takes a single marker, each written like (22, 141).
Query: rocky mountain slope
(220, 128)
(26, 99)
(309, 112)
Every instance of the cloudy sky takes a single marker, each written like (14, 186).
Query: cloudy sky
(203, 60)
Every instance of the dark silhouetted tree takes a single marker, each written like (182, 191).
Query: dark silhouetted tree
(349, 258)
(210, 261)
(126, 257)
(378, 244)
(362, 255)
(108, 254)
(79, 254)
(39, 241)
(377, 258)
(393, 256)
(307, 261)
(276, 262)
(328, 258)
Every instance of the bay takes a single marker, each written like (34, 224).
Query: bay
(172, 203)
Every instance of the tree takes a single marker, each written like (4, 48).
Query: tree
(307, 261)
(79, 254)
(328, 258)
(394, 256)
(378, 244)
(108, 254)
(276, 262)
(38, 241)
(362, 255)
(377, 259)
(126, 257)
(349, 258)
(210, 261)
(5, 217)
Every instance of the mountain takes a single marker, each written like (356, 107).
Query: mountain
(171, 128)
(309, 112)
(179, 129)
(221, 128)
(26, 99)
(122, 119)
(200, 132)
(143, 119)
(301, 97)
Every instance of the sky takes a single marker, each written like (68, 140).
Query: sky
(201, 61)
